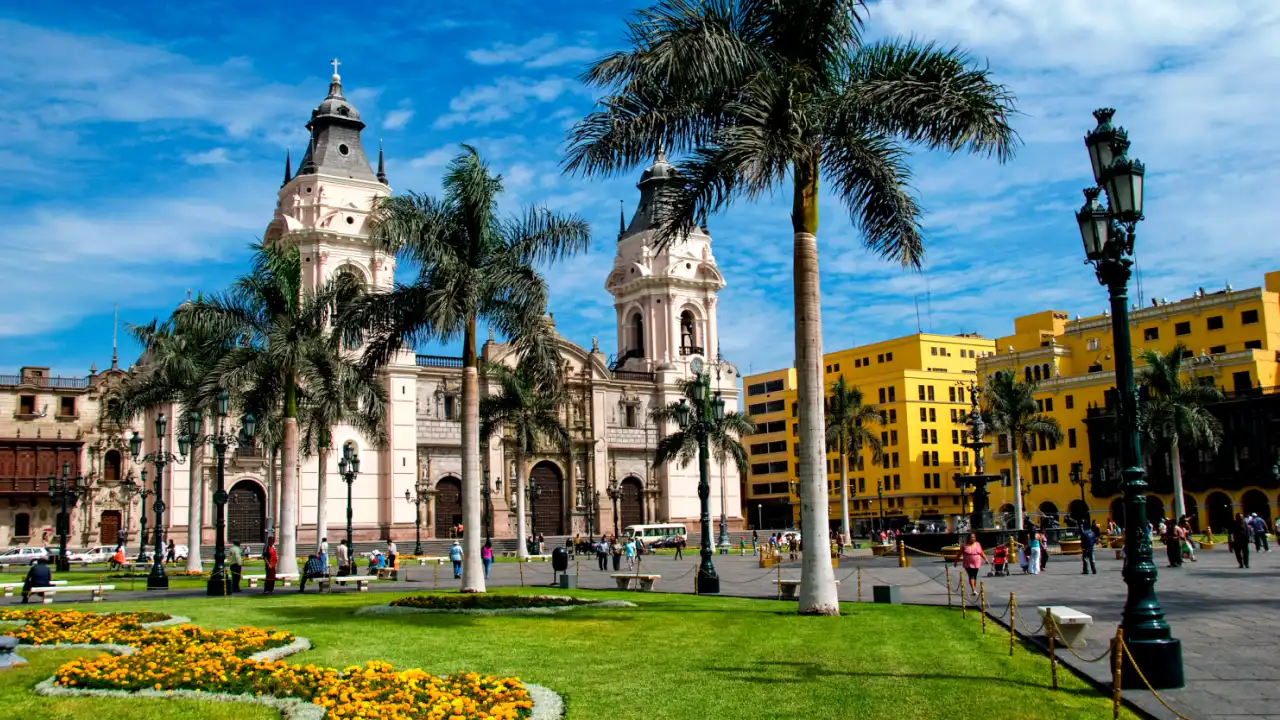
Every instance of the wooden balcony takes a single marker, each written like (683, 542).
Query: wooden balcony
(10, 486)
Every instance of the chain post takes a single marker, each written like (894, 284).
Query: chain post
(948, 569)
(982, 604)
(859, 583)
(1013, 622)
(1117, 657)
(963, 613)
(1053, 655)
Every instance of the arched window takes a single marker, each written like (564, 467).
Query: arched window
(111, 466)
(22, 525)
(637, 335)
(688, 334)
(1036, 373)
(1027, 370)
(1046, 372)
(351, 284)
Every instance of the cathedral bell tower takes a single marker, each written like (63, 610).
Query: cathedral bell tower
(665, 298)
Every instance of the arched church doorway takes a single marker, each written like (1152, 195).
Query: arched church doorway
(631, 504)
(246, 513)
(547, 507)
(1219, 510)
(448, 506)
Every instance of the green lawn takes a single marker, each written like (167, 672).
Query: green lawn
(679, 656)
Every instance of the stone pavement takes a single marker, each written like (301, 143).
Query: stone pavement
(1225, 617)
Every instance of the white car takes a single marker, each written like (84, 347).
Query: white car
(23, 556)
(99, 554)
(179, 552)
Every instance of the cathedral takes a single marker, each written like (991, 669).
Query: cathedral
(665, 300)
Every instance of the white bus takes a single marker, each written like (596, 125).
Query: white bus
(650, 534)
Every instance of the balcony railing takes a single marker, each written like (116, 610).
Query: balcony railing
(439, 361)
(23, 485)
(691, 350)
(634, 375)
(53, 383)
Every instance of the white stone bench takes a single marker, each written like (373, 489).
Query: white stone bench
(788, 588)
(10, 588)
(96, 592)
(538, 558)
(1071, 623)
(286, 580)
(362, 583)
(430, 559)
(627, 581)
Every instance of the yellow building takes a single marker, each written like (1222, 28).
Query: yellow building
(1231, 338)
(919, 382)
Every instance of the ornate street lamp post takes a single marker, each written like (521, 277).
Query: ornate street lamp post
(157, 579)
(64, 490)
(1078, 477)
(880, 494)
(140, 489)
(487, 492)
(349, 468)
(417, 498)
(219, 584)
(614, 491)
(699, 421)
(1108, 234)
(532, 492)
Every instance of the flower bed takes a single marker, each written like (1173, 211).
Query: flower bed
(472, 601)
(189, 658)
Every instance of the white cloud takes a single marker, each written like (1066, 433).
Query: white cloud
(398, 119)
(503, 99)
(216, 156)
(540, 52)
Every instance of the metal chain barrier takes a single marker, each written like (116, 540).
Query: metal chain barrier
(1125, 648)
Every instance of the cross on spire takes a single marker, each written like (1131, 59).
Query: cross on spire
(334, 62)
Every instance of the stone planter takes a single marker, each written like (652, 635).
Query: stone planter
(1069, 547)
(878, 550)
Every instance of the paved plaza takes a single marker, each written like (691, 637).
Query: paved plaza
(1224, 616)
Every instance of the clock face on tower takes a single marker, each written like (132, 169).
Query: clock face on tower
(696, 366)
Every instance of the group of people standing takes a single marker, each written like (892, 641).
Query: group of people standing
(611, 547)
(1246, 529)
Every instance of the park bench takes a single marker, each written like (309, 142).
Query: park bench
(539, 558)
(627, 581)
(386, 573)
(362, 583)
(429, 559)
(286, 580)
(1071, 623)
(787, 588)
(96, 592)
(10, 588)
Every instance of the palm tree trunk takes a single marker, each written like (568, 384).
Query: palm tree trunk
(1018, 513)
(844, 492)
(1175, 457)
(817, 580)
(288, 546)
(195, 499)
(472, 569)
(522, 527)
(322, 495)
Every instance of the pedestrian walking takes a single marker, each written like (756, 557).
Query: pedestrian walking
(486, 557)
(1188, 544)
(615, 551)
(1033, 552)
(270, 558)
(972, 557)
(324, 553)
(170, 553)
(391, 554)
(455, 556)
(630, 550)
(1173, 545)
(235, 559)
(1088, 540)
(1240, 532)
(679, 547)
(344, 559)
(755, 541)
(602, 553)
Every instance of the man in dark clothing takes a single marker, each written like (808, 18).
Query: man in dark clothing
(1240, 540)
(1088, 540)
(679, 547)
(37, 577)
(313, 569)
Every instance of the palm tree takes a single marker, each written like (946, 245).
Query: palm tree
(1012, 411)
(473, 266)
(337, 391)
(529, 410)
(1175, 412)
(847, 428)
(276, 326)
(173, 369)
(723, 438)
(761, 94)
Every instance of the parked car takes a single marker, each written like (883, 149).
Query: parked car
(23, 556)
(179, 553)
(99, 554)
(665, 542)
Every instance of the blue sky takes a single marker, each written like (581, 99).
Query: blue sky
(143, 144)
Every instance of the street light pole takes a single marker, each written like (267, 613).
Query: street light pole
(1108, 234)
(143, 492)
(1078, 478)
(699, 421)
(880, 494)
(349, 468)
(614, 491)
(219, 584)
(417, 498)
(157, 579)
(488, 508)
(64, 490)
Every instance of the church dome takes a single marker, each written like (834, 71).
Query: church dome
(659, 170)
(335, 105)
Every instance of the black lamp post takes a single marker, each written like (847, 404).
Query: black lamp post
(1108, 234)
(1078, 478)
(140, 489)
(589, 509)
(487, 492)
(880, 495)
(219, 584)
(157, 579)
(64, 490)
(614, 491)
(699, 421)
(417, 498)
(349, 468)
(532, 492)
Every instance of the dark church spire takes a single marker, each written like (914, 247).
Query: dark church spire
(288, 168)
(382, 172)
(622, 218)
